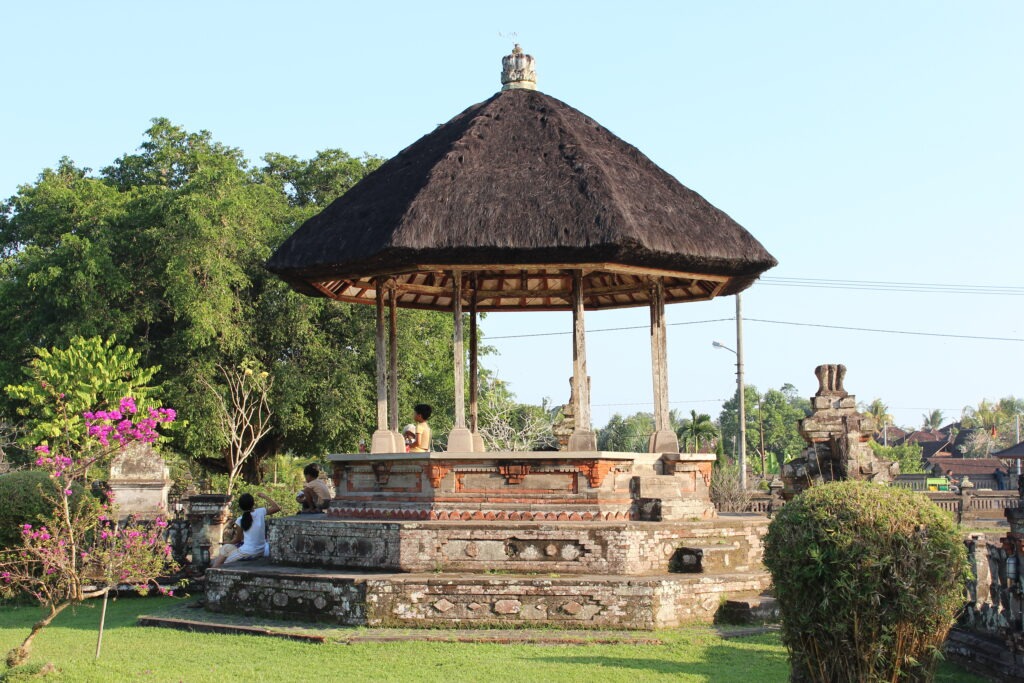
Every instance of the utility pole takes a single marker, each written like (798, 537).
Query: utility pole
(739, 385)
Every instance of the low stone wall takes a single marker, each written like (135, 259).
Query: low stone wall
(443, 600)
(970, 505)
(732, 543)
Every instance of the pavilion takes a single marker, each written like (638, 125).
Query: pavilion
(519, 203)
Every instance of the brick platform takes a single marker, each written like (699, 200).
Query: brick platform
(522, 486)
(459, 600)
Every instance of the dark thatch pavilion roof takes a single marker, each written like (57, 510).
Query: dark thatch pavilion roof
(515, 192)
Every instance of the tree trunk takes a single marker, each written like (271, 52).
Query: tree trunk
(20, 654)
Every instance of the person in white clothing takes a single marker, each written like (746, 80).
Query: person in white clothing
(250, 540)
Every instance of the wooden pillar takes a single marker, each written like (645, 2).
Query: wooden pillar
(474, 373)
(583, 437)
(460, 440)
(383, 441)
(663, 440)
(393, 365)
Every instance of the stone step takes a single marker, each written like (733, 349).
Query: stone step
(710, 558)
(749, 609)
(449, 600)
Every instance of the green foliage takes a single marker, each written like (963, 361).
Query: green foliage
(23, 501)
(908, 455)
(626, 434)
(698, 431)
(89, 374)
(868, 579)
(165, 248)
(772, 424)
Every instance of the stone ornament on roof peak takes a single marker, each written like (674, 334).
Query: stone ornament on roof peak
(517, 71)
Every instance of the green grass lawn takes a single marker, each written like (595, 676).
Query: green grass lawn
(135, 653)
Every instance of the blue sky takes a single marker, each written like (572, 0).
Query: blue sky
(868, 141)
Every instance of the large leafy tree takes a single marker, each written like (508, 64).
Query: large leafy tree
(164, 250)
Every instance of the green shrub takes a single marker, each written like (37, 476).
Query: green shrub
(868, 580)
(22, 502)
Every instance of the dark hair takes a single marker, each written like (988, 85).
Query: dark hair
(246, 502)
(424, 409)
(311, 470)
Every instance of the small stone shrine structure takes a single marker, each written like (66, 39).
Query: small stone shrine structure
(139, 481)
(989, 635)
(837, 436)
(519, 203)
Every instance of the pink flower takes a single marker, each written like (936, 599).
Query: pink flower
(128, 405)
(43, 448)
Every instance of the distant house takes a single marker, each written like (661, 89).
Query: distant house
(1011, 453)
(980, 470)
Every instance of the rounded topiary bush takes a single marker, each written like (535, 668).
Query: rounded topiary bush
(22, 501)
(868, 580)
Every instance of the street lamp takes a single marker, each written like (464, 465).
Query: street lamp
(738, 352)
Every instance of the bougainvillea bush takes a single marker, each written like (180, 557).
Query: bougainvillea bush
(868, 579)
(79, 549)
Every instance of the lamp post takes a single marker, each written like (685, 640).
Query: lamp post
(743, 411)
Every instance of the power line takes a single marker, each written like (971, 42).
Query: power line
(888, 286)
(776, 322)
(604, 329)
(871, 329)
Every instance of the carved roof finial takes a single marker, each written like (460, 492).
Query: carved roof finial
(517, 71)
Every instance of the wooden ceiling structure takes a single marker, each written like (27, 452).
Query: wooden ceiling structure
(514, 288)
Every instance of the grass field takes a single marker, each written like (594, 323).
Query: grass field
(134, 653)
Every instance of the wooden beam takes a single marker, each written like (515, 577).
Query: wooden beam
(393, 353)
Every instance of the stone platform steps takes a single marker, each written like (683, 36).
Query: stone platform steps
(453, 600)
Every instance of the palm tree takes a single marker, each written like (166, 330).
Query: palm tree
(987, 415)
(932, 420)
(699, 429)
(880, 412)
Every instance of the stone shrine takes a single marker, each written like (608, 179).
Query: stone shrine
(837, 436)
(139, 481)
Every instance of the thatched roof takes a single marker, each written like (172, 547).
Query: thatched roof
(518, 190)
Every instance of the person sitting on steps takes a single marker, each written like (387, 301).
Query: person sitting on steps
(250, 539)
(315, 496)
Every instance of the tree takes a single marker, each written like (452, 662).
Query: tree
(91, 374)
(509, 426)
(243, 413)
(932, 420)
(780, 411)
(79, 551)
(164, 249)
(626, 434)
(772, 424)
(908, 455)
(879, 411)
(697, 431)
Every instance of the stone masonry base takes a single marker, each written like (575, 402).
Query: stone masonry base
(463, 600)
